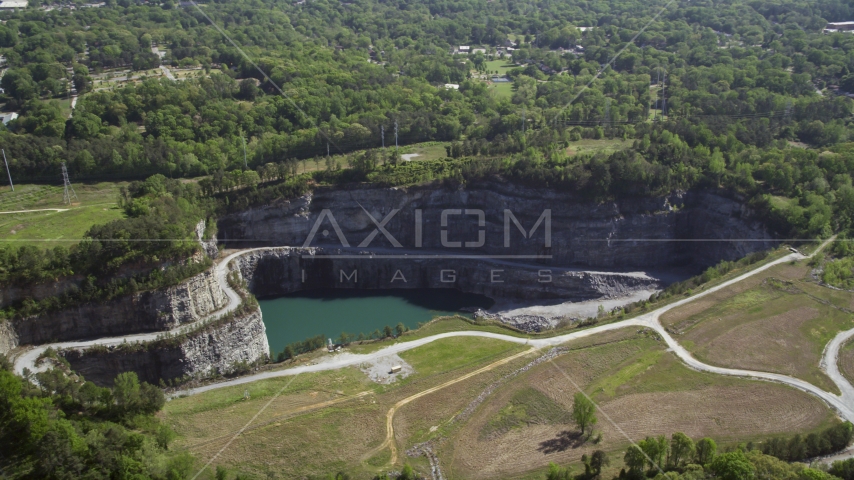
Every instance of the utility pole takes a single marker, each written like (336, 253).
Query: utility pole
(395, 135)
(7, 169)
(664, 97)
(327, 149)
(66, 195)
(245, 166)
(657, 82)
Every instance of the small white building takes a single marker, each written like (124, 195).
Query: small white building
(839, 27)
(8, 117)
(452, 86)
(13, 4)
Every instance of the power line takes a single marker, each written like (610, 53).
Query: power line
(66, 196)
(8, 172)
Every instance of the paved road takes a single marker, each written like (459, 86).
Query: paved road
(167, 72)
(843, 404)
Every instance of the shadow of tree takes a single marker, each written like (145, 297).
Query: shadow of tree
(562, 442)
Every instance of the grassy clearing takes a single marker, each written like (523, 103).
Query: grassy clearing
(456, 353)
(426, 150)
(780, 323)
(96, 205)
(641, 387)
(528, 406)
(502, 89)
(846, 361)
(502, 66)
(604, 145)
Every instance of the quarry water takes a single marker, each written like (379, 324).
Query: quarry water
(301, 315)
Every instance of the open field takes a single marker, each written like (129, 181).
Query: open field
(846, 361)
(595, 146)
(502, 66)
(327, 421)
(645, 391)
(502, 89)
(96, 205)
(425, 151)
(780, 325)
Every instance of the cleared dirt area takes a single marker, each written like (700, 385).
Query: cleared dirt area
(777, 321)
(846, 361)
(643, 389)
(784, 272)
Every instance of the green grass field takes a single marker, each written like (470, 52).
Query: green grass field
(605, 145)
(425, 151)
(502, 89)
(96, 204)
(502, 66)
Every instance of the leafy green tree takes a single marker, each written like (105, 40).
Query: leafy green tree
(732, 466)
(556, 472)
(635, 458)
(706, 450)
(681, 450)
(583, 412)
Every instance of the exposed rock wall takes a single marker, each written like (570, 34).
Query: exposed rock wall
(148, 311)
(636, 233)
(208, 351)
(283, 270)
(12, 294)
(8, 337)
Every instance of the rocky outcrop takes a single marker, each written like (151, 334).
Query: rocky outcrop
(283, 270)
(8, 337)
(212, 350)
(679, 229)
(148, 311)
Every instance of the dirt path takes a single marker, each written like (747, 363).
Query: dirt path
(38, 210)
(389, 418)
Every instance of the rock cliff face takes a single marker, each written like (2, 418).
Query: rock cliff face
(205, 352)
(143, 312)
(639, 233)
(284, 270)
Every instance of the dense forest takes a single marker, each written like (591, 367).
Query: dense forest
(747, 97)
(55, 424)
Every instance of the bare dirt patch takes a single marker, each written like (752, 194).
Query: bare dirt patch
(380, 370)
(784, 271)
(771, 344)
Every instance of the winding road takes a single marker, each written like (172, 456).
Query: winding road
(843, 404)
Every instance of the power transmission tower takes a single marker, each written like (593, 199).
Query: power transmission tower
(607, 111)
(245, 166)
(788, 113)
(664, 97)
(66, 195)
(395, 134)
(8, 172)
(327, 149)
(382, 134)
